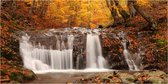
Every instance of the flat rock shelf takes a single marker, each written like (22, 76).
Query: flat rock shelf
(103, 76)
(62, 77)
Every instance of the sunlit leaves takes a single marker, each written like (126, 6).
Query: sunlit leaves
(78, 12)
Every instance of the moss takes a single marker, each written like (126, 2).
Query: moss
(30, 76)
(3, 72)
(130, 79)
(145, 77)
(159, 42)
(156, 80)
(17, 76)
(2, 25)
(20, 77)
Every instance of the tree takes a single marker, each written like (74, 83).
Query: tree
(113, 6)
(133, 8)
(39, 7)
(113, 10)
(147, 17)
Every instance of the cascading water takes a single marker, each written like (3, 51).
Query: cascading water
(129, 60)
(58, 49)
(54, 50)
(127, 55)
(94, 56)
(39, 58)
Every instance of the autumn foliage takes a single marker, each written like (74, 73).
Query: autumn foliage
(11, 72)
(34, 15)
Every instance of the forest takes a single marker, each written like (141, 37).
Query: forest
(84, 41)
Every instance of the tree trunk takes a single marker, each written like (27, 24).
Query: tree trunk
(41, 10)
(147, 17)
(123, 13)
(110, 4)
(131, 8)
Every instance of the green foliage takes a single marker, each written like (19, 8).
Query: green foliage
(3, 72)
(159, 42)
(17, 76)
(2, 24)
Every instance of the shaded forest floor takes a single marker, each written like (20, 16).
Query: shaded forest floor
(15, 19)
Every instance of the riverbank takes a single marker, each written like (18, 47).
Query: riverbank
(153, 76)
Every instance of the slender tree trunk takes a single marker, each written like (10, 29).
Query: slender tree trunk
(110, 4)
(44, 7)
(147, 17)
(131, 8)
(41, 10)
(123, 13)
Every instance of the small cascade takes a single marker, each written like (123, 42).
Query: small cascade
(129, 60)
(127, 55)
(94, 58)
(38, 57)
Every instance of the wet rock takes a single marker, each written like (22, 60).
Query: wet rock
(156, 73)
(127, 78)
(151, 67)
(156, 80)
(30, 76)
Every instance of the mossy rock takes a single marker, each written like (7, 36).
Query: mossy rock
(156, 76)
(30, 76)
(20, 77)
(156, 80)
(127, 78)
(17, 76)
(156, 73)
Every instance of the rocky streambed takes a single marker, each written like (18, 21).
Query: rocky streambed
(152, 76)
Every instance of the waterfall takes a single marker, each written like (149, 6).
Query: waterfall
(129, 60)
(94, 58)
(39, 58)
(127, 55)
(59, 49)
(67, 49)
(54, 51)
